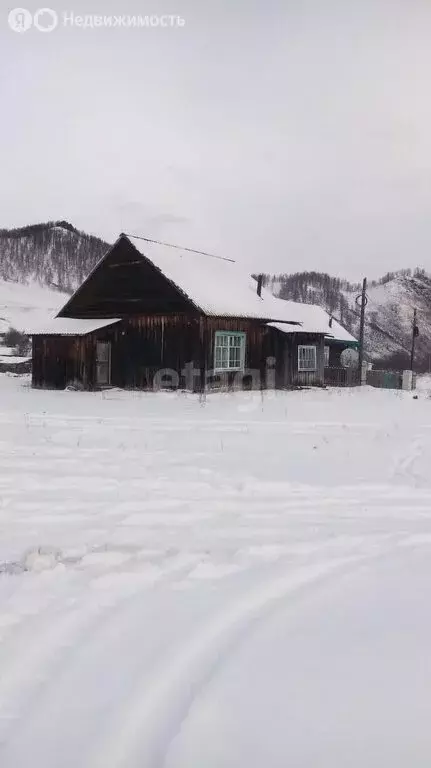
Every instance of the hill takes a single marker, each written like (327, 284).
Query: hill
(389, 315)
(53, 254)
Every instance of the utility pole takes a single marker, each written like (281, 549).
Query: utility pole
(415, 334)
(362, 302)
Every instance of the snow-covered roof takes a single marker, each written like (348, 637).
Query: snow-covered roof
(70, 326)
(314, 319)
(340, 334)
(216, 286)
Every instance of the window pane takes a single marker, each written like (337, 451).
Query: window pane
(229, 349)
(307, 358)
(235, 357)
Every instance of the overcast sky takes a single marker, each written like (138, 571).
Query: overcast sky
(289, 134)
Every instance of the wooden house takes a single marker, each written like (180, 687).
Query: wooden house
(151, 316)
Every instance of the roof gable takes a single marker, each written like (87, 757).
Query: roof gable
(123, 283)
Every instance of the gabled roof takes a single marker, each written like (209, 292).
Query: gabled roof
(223, 288)
(226, 289)
(218, 287)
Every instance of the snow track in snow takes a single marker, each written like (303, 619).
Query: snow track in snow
(161, 702)
(146, 540)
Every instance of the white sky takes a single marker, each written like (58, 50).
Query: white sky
(290, 134)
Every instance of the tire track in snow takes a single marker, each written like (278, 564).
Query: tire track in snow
(145, 730)
(29, 666)
(404, 466)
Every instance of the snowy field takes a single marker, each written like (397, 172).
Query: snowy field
(235, 582)
(26, 306)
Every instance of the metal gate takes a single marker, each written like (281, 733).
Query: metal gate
(385, 379)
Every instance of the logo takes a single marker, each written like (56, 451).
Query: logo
(20, 20)
(45, 20)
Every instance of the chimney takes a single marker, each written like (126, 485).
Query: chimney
(259, 285)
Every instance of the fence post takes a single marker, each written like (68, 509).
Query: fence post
(408, 380)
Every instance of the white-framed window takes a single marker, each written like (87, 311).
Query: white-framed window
(326, 349)
(307, 358)
(229, 351)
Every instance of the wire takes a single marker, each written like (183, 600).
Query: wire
(181, 248)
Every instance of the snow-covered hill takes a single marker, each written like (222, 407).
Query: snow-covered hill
(26, 306)
(389, 316)
(390, 312)
(40, 266)
(53, 254)
(23, 307)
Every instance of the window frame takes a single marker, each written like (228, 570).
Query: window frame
(242, 347)
(307, 369)
(326, 353)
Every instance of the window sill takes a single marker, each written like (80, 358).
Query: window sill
(228, 370)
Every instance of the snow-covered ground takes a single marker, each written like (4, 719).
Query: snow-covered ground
(25, 306)
(241, 581)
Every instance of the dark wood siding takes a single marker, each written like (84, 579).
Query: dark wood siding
(142, 347)
(181, 346)
(307, 378)
(126, 284)
(61, 360)
(259, 347)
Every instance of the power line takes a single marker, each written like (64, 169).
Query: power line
(181, 248)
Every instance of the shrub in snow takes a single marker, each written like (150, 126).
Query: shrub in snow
(18, 341)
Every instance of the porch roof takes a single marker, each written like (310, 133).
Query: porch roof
(71, 326)
(314, 319)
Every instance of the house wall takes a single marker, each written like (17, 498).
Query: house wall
(144, 346)
(261, 349)
(61, 360)
(306, 378)
(181, 346)
(140, 348)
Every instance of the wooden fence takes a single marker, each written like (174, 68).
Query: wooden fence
(342, 377)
